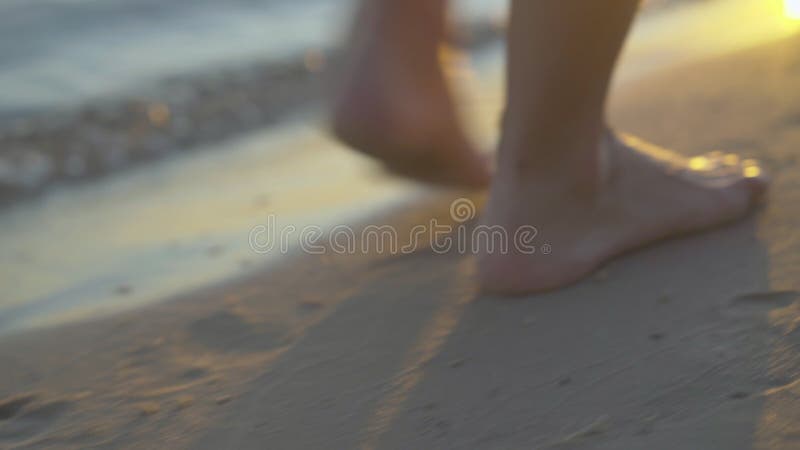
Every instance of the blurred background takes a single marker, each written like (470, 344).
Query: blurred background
(140, 140)
(88, 86)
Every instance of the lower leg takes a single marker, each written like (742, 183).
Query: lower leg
(403, 34)
(394, 101)
(591, 195)
(560, 59)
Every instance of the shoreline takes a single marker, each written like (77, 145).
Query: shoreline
(178, 114)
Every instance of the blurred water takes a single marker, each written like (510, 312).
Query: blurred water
(56, 52)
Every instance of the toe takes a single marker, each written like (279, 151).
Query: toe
(756, 179)
(747, 189)
(745, 179)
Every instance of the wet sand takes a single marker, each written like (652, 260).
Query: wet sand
(689, 344)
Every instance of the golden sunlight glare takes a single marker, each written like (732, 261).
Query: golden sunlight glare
(792, 9)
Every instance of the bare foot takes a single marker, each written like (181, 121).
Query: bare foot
(395, 105)
(642, 195)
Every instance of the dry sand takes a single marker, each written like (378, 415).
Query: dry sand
(688, 345)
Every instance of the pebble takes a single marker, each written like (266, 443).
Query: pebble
(455, 364)
(148, 408)
(123, 289)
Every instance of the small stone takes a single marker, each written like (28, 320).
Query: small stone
(116, 156)
(656, 336)
(194, 373)
(33, 168)
(457, 363)
(223, 399)
(600, 426)
(123, 289)
(739, 395)
(148, 408)
(310, 306)
(215, 250)
(184, 401)
(74, 165)
(158, 114)
(429, 406)
(564, 381)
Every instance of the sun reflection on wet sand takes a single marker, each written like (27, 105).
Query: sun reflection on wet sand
(429, 342)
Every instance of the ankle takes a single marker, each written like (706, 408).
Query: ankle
(574, 163)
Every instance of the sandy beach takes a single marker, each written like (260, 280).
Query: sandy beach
(692, 344)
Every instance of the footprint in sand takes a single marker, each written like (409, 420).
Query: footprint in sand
(9, 407)
(195, 373)
(227, 331)
(309, 307)
(22, 418)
